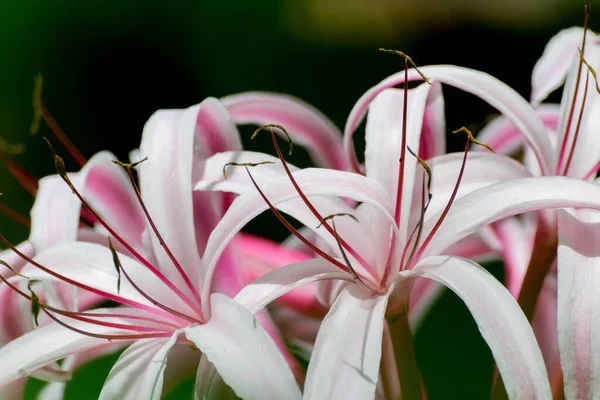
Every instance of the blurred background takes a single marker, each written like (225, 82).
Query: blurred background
(108, 65)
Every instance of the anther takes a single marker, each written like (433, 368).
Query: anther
(407, 58)
(235, 164)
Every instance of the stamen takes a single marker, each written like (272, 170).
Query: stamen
(162, 242)
(293, 230)
(578, 128)
(419, 231)
(356, 277)
(35, 303)
(291, 143)
(590, 69)
(40, 111)
(117, 263)
(61, 171)
(429, 175)
(107, 295)
(472, 138)
(406, 58)
(308, 204)
(561, 154)
(14, 271)
(400, 187)
(592, 172)
(327, 218)
(235, 164)
(452, 197)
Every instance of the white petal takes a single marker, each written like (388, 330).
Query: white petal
(345, 361)
(578, 306)
(488, 88)
(306, 125)
(550, 70)
(500, 321)
(243, 353)
(138, 373)
(256, 295)
(505, 199)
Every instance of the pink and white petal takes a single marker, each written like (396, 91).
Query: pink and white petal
(544, 323)
(384, 145)
(258, 256)
(433, 134)
(488, 88)
(345, 361)
(313, 182)
(481, 170)
(237, 180)
(578, 308)
(243, 353)
(139, 371)
(13, 390)
(172, 140)
(550, 71)
(499, 319)
(45, 345)
(307, 125)
(92, 265)
(56, 211)
(209, 384)
(258, 294)
(476, 210)
(517, 247)
(504, 137)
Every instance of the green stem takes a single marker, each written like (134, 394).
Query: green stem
(408, 371)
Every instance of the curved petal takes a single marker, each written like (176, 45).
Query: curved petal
(551, 69)
(488, 88)
(433, 134)
(47, 344)
(258, 294)
(139, 371)
(505, 199)
(481, 170)
(383, 149)
(307, 125)
(209, 384)
(500, 321)
(172, 140)
(345, 361)
(243, 353)
(104, 185)
(314, 182)
(578, 307)
(92, 265)
(504, 137)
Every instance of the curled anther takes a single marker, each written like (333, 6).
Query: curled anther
(426, 168)
(590, 69)
(60, 166)
(407, 58)
(38, 112)
(472, 138)
(235, 164)
(332, 216)
(2, 262)
(289, 138)
(130, 165)
(36, 304)
(117, 263)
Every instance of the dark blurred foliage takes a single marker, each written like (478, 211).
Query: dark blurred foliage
(109, 65)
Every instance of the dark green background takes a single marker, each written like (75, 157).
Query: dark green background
(109, 64)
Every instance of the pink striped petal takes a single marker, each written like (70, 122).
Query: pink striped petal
(578, 307)
(488, 88)
(307, 125)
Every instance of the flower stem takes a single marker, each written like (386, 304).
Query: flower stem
(408, 371)
(542, 257)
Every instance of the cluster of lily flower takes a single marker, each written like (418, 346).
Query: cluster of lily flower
(164, 272)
